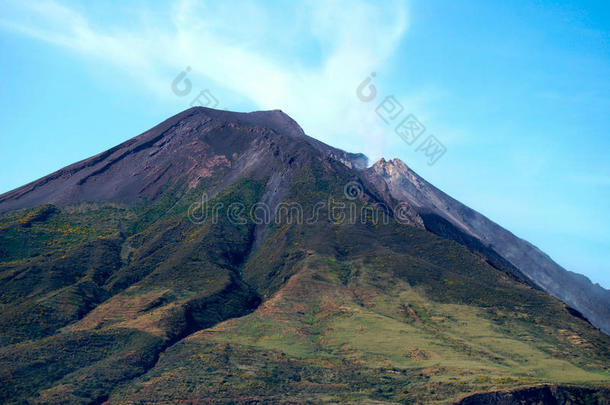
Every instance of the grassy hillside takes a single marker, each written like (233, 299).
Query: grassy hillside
(135, 304)
(368, 329)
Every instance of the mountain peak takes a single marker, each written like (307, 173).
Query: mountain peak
(187, 148)
(276, 120)
(202, 145)
(390, 167)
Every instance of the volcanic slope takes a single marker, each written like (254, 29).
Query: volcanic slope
(120, 285)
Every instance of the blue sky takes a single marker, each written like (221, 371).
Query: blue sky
(517, 92)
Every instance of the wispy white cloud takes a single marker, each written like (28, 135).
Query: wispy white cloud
(247, 50)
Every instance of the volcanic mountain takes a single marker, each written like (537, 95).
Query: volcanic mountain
(230, 258)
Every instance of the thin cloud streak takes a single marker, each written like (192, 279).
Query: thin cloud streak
(239, 62)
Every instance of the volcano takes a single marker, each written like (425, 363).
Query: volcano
(225, 257)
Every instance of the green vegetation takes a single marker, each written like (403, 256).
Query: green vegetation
(135, 304)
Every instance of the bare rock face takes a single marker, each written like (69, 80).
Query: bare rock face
(181, 149)
(539, 395)
(185, 148)
(574, 289)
